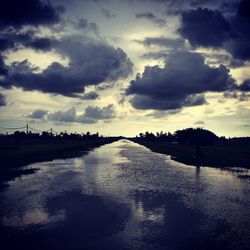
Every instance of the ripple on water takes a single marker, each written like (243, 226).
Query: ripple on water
(122, 194)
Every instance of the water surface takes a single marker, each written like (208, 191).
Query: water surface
(123, 196)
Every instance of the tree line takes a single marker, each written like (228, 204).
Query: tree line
(22, 138)
(192, 136)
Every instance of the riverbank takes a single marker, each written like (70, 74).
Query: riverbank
(221, 156)
(13, 158)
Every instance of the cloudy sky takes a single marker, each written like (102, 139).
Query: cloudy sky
(121, 67)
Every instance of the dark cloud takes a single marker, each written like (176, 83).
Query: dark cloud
(2, 100)
(94, 114)
(152, 17)
(105, 85)
(176, 7)
(63, 116)
(239, 48)
(5, 43)
(180, 83)
(195, 100)
(149, 102)
(209, 28)
(19, 21)
(239, 45)
(91, 62)
(107, 13)
(90, 96)
(16, 13)
(14, 40)
(40, 43)
(204, 27)
(241, 95)
(244, 8)
(38, 114)
(3, 67)
(85, 25)
(163, 42)
(245, 86)
(90, 115)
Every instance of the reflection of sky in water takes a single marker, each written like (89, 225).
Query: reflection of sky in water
(35, 216)
(162, 196)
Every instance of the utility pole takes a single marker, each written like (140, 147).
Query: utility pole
(27, 128)
(51, 131)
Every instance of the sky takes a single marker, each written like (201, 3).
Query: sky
(121, 67)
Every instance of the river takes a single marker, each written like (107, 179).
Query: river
(123, 196)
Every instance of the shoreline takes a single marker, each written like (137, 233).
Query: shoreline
(12, 160)
(214, 156)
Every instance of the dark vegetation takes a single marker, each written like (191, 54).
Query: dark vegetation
(20, 138)
(20, 149)
(200, 147)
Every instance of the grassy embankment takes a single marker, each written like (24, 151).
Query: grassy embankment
(13, 158)
(222, 156)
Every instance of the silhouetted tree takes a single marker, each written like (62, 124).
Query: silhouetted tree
(160, 136)
(196, 136)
